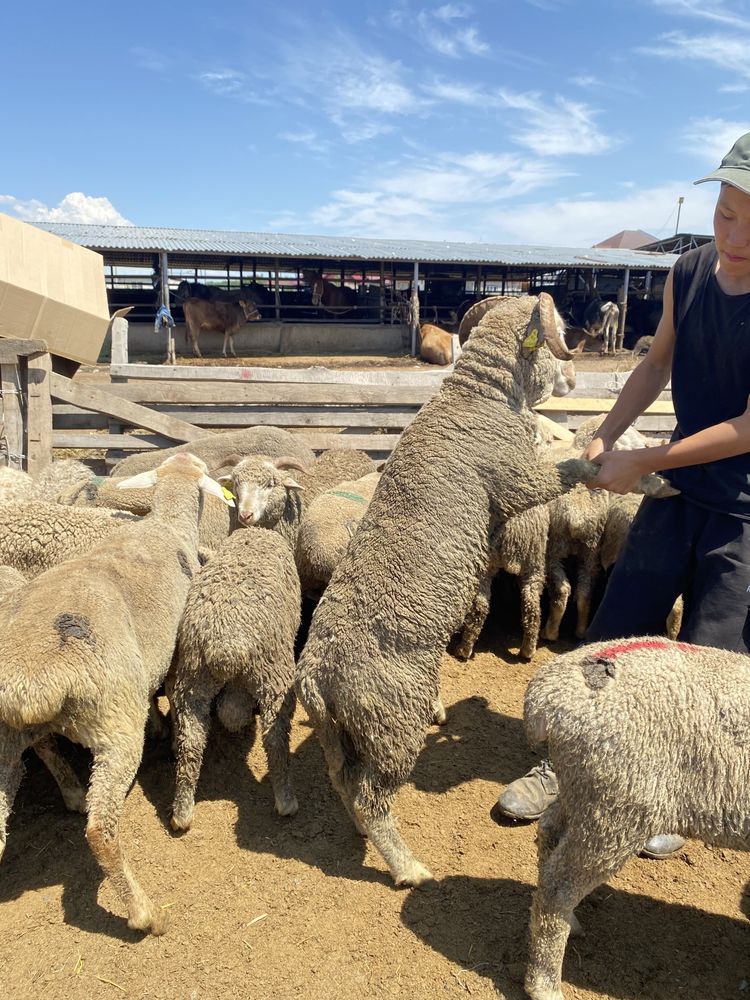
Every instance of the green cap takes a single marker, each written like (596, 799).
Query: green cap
(735, 167)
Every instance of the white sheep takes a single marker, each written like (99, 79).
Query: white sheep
(86, 645)
(369, 673)
(237, 637)
(645, 736)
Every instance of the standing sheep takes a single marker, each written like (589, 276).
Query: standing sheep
(237, 637)
(369, 673)
(645, 735)
(86, 645)
(215, 449)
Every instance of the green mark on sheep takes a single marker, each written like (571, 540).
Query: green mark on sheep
(347, 496)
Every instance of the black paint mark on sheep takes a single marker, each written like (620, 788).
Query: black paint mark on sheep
(90, 490)
(184, 562)
(75, 627)
(598, 672)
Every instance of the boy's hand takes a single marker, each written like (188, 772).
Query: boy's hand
(619, 470)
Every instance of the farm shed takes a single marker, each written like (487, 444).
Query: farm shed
(144, 265)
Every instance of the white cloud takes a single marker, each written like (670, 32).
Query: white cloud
(710, 139)
(710, 10)
(74, 207)
(307, 138)
(729, 52)
(222, 81)
(559, 127)
(581, 223)
(439, 30)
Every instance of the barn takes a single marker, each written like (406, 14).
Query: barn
(145, 265)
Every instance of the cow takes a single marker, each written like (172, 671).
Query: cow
(601, 319)
(333, 298)
(222, 317)
(438, 346)
(214, 293)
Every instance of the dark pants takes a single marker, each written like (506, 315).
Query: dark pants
(673, 548)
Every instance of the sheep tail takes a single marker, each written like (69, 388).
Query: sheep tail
(28, 699)
(334, 739)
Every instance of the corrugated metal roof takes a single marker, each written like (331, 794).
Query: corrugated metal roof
(270, 245)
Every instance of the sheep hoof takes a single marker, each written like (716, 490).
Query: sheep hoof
(416, 876)
(551, 634)
(151, 920)
(287, 804)
(541, 992)
(439, 715)
(75, 800)
(181, 824)
(464, 651)
(527, 652)
(656, 486)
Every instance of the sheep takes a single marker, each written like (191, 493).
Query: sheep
(87, 643)
(601, 319)
(642, 346)
(327, 526)
(629, 440)
(368, 675)
(270, 496)
(56, 477)
(645, 735)
(437, 346)
(237, 637)
(35, 536)
(105, 492)
(46, 748)
(214, 449)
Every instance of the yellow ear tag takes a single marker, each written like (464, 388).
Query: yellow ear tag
(532, 341)
(228, 495)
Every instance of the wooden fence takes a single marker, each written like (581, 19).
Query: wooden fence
(154, 406)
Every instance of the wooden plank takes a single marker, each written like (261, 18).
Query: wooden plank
(215, 392)
(12, 348)
(38, 414)
(564, 404)
(102, 400)
(604, 384)
(11, 418)
(312, 375)
(558, 431)
(292, 416)
(130, 442)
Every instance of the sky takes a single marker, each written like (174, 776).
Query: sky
(553, 122)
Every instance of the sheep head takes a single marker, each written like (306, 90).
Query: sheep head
(262, 488)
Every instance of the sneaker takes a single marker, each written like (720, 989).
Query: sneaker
(528, 797)
(663, 845)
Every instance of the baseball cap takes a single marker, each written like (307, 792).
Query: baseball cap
(735, 167)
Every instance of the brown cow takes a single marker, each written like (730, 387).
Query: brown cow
(332, 298)
(437, 346)
(222, 317)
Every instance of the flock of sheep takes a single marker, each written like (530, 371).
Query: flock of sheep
(184, 571)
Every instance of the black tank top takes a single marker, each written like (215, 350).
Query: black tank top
(710, 378)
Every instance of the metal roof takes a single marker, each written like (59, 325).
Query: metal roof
(224, 243)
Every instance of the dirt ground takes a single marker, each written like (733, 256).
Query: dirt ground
(262, 907)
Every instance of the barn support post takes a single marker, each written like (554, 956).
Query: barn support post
(276, 294)
(649, 279)
(622, 301)
(382, 292)
(119, 348)
(164, 280)
(414, 309)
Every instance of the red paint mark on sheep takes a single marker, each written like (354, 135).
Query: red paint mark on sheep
(610, 652)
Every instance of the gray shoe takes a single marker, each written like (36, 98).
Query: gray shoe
(663, 845)
(528, 797)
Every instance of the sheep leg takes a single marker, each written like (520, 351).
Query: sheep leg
(587, 570)
(531, 613)
(475, 619)
(71, 790)
(439, 715)
(276, 724)
(567, 873)
(559, 586)
(192, 711)
(114, 769)
(11, 771)
(380, 826)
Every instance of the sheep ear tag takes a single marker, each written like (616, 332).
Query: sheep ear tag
(209, 485)
(533, 341)
(228, 495)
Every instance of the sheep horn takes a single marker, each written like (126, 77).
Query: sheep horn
(474, 313)
(550, 332)
(289, 462)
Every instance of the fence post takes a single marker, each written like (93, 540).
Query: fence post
(38, 413)
(11, 432)
(119, 341)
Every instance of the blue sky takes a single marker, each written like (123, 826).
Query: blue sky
(515, 121)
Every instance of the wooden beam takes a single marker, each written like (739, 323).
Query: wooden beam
(14, 347)
(313, 375)
(279, 393)
(564, 404)
(104, 401)
(291, 416)
(91, 439)
(559, 433)
(38, 414)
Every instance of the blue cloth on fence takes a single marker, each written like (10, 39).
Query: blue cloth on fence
(163, 318)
